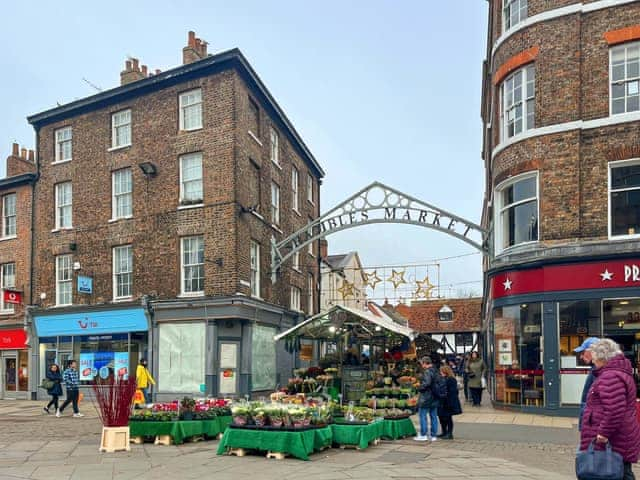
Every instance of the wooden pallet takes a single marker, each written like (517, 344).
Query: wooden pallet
(196, 438)
(277, 455)
(162, 440)
(137, 440)
(238, 452)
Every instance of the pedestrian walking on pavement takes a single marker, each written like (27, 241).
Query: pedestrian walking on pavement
(427, 401)
(585, 355)
(54, 375)
(475, 369)
(610, 413)
(72, 384)
(450, 405)
(465, 376)
(144, 380)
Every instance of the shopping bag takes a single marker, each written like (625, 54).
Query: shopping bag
(592, 464)
(483, 382)
(80, 396)
(138, 398)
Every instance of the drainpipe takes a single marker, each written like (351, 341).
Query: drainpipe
(148, 311)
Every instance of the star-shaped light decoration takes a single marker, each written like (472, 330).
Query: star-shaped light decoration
(347, 289)
(507, 284)
(606, 275)
(371, 279)
(397, 278)
(424, 288)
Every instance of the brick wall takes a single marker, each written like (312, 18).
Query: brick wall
(423, 315)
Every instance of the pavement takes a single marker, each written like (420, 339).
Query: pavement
(488, 444)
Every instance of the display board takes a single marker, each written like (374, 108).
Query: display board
(263, 362)
(182, 357)
(103, 365)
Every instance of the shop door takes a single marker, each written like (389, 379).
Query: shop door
(9, 375)
(228, 368)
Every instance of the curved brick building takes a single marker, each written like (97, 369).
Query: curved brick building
(561, 115)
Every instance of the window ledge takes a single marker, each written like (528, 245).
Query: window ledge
(191, 295)
(520, 247)
(8, 237)
(257, 215)
(297, 212)
(257, 297)
(195, 129)
(277, 164)
(187, 207)
(619, 238)
(63, 229)
(122, 299)
(119, 147)
(253, 135)
(7, 312)
(310, 201)
(58, 162)
(113, 220)
(62, 305)
(276, 228)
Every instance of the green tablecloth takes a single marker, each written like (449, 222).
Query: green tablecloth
(297, 444)
(359, 435)
(395, 429)
(181, 429)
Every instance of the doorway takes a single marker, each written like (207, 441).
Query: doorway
(14, 373)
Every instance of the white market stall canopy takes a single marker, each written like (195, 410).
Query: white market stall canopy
(374, 322)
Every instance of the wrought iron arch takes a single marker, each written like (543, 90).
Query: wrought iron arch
(377, 203)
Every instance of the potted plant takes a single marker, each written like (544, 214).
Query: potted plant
(240, 414)
(187, 406)
(297, 416)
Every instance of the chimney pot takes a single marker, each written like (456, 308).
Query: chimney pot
(23, 153)
(127, 65)
(144, 70)
(134, 61)
(157, 71)
(15, 150)
(32, 156)
(192, 38)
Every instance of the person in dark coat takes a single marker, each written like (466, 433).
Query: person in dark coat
(585, 355)
(55, 376)
(449, 406)
(427, 402)
(610, 413)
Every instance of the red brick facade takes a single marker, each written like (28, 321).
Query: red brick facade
(423, 315)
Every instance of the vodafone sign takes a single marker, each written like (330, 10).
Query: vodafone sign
(12, 296)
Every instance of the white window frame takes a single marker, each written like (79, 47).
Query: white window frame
(275, 146)
(120, 277)
(309, 188)
(627, 81)
(184, 266)
(119, 198)
(121, 123)
(295, 190)
(500, 208)
(526, 71)
(616, 164)
(310, 288)
(9, 223)
(255, 269)
(508, 7)
(7, 280)
(61, 139)
(61, 208)
(64, 276)
(275, 203)
(192, 105)
(183, 199)
(295, 261)
(295, 299)
(310, 244)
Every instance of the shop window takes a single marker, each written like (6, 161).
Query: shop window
(624, 198)
(577, 321)
(624, 74)
(516, 216)
(517, 336)
(181, 357)
(101, 356)
(263, 358)
(621, 323)
(518, 102)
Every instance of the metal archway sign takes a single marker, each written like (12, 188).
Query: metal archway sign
(376, 203)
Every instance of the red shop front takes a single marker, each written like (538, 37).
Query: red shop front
(14, 364)
(540, 315)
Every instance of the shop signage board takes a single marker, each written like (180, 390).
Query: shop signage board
(91, 323)
(12, 296)
(85, 284)
(13, 339)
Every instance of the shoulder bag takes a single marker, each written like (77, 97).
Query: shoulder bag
(592, 464)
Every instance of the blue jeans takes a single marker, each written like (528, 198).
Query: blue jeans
(433, 414)
(147, 395)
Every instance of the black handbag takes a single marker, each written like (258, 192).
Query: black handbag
(592, 464)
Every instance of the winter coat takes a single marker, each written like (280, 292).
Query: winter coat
(611, 410)
(56, 378)
(451, 405)
(475, 370)
(143, 377)
(427, 399)
(585, 391)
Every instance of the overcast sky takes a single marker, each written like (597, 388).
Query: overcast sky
(378, 90)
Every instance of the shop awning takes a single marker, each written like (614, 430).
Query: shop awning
(370, 323)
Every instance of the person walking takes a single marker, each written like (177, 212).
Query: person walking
(144, 380)
(55, 391)
(72, 383)
(465, 377)
(475, 369)
(585, 355)
(450, 405)
(427, 401)
(609, 414)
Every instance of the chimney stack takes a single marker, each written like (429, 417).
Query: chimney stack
(195, 50)
(132, 72)
(20, 161)
(324, 248)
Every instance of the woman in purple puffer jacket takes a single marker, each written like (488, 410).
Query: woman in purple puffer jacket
(610, 413)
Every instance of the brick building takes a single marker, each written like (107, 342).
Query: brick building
(156, 207)
(15, 271)
(453, 322)
(561, 114)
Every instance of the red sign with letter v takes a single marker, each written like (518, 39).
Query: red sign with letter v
(12, 296)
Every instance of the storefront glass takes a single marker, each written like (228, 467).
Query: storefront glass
(517, 336)
(577, 320)
(182, 357)
(621, 323)
(263, 358)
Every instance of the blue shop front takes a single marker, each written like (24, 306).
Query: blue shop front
(102, 341)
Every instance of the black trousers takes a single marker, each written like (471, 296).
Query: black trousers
(446, 422)
(53, 402)
(465, 383)
(476, 395)
(72, 397)
(628, 472)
